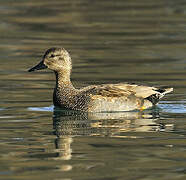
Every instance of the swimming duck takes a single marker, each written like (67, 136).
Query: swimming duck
(95, 98)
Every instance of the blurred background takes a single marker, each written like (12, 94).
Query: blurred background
(109, 41)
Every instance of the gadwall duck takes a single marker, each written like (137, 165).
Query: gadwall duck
(95, 98)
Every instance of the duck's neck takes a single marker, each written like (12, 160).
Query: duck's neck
(63, 79)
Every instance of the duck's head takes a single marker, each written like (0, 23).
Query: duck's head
(56, 59)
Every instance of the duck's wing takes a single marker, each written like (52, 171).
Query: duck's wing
(144, 91)
(152, 94)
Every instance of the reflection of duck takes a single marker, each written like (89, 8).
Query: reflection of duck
(63, 147)
(68, 124)
(73, 123)
(95, 98)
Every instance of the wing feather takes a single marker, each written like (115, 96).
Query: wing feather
(121, 90)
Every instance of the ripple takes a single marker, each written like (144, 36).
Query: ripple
(49, 109)
(173, 106)
(165, 106)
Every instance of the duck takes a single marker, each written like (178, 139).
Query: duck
(95, 98)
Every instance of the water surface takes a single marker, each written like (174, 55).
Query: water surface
(110, 42)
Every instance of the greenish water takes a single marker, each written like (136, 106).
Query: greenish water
(109, 41)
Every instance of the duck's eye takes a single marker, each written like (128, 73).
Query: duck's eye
(52, 55)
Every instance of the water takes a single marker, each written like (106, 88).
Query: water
(109, 41)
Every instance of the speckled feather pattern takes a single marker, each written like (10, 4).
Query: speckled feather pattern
(95, 98)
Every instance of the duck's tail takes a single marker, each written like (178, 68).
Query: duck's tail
(160, 92)
(164, 90)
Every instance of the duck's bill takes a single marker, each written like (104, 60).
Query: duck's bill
(39, 66)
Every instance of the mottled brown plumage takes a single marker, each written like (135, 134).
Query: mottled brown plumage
(95, 98)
